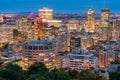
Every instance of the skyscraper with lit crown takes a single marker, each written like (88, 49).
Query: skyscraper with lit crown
(105, 16)
(90, 21)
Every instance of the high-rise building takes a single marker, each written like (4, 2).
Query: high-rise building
(86, 41)
(40, 26)
(46, 13)
(39, 51)
(1, 19)
(105, 29)
(103, 59)
(105, 16)
(117, 25)
(90, 21)
(73, 25)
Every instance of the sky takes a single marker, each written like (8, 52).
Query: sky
(58, 6)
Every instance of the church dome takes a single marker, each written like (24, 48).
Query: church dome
(31, 16)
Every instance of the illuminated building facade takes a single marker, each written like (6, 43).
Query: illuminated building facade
(89, 39)
(103, 59)
(90, 21)
(63, 30)
(59, 59)
(6, 34)
(75, 42)
(21, 24)
(1, 19)
(46, 13)
(27, 26)
(108, 52)
(115, 35)
(117, 26)
(40, 27)
(73, 25)
(105, 16)
(80, 59)
(56, 23)
(86, 41)
(39, 51)
(47, 16)
(63, 43)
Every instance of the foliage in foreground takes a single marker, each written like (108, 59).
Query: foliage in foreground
(38, 71)
(114, 75)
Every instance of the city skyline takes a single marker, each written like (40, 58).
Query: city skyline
(61, 6)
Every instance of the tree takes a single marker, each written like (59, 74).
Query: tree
(38, 76)
(10, 75)
(88, 75)
(12, 72)
(14, 67)
(57, 74)
(37, 68)
(114, 75)
(73, 74)
(85, 75)
(38, 71)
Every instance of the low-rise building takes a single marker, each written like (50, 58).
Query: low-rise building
(80, 59)
(114, 68)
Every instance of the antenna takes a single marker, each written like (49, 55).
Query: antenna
(104, 3)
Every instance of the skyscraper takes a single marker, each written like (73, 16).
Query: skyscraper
(117, 25)
(73, 25)
(46, 13)
(90, 21)
(105, 16)
(103, 59)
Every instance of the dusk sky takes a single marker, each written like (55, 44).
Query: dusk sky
(59, 6)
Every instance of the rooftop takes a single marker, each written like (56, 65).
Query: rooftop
(38, 42)
(31, 16)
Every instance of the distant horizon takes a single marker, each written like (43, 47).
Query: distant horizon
(58, 6)
(28, 12)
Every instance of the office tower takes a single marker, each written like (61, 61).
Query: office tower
(86, 42)
(73, 25)
(105, 16)
(103, 58)
(46, 13)
(105, 29)
(47, 16)
(117, 25)
(90, 21)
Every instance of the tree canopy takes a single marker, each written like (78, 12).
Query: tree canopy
(38, 71)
